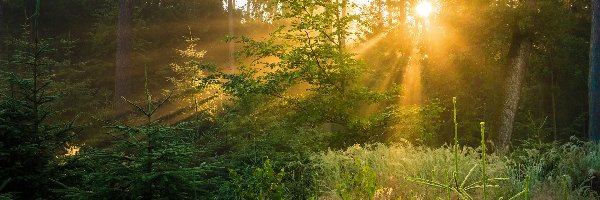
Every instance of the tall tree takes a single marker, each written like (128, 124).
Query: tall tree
(230, 10)
(594, 83)
(29, 140)
(1, 17)
(519, 52)
(123, 56)
(342, 16)
(2, 46)
(518, 63)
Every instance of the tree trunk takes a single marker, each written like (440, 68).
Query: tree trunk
(519, 53)
(553, 93)
(341, 29)
(594, 83)
(3, 49)
(123, 56)
(518, 62)
(249, 8)
(230, 10)
(380, 17)
(1, 20)
(390, 11)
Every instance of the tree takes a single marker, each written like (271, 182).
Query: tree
(521, 48)
(519, 53)
(152, 161)
(1, 17)
(594, 76)
(304, 71)
(123, 56)
(230, 10)
(29, 142)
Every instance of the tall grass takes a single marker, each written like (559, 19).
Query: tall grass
(405, 171)
(392, 164)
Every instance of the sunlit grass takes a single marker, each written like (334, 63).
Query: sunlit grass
(546, 174)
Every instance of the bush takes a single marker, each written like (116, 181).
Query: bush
(547, 164)
(263, 183)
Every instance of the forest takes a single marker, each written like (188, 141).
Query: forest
(300, 99)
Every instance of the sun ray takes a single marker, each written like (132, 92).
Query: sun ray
(424, 9)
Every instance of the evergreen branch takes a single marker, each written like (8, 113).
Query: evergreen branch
(68, 187)
(4, 183)
(161, 103)
(135, 106)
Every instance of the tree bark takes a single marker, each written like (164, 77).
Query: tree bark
(519, 53)
(341, 29)
(380, 17)
(594, 75)
(249, 8)
(518, 62)
(123, 56)
(3, 48)
(1, 19)
(553, 93)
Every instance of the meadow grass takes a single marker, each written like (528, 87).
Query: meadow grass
(406, 171)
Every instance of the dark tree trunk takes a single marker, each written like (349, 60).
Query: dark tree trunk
(519, 55)
(342, 31)
(3, 49)
(553, 93)
(1, 19)
(594, 83)
(123, 56)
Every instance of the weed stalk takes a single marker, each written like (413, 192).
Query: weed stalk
(455, 173)
(564, 187)
(483, 176)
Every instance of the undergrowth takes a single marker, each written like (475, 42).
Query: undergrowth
(405, 171)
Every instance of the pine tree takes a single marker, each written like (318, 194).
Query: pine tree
(152, 161)
(29, 143)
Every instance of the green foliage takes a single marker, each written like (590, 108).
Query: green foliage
(5, 196)
(30, 142)
(463, 190)
(153, 161)
(419, 124)
(264, 183)
(145, 162)
(295, 94)
(248, 141)
(530, 175)
(358, 182)
(199, 96)
(569, 166)
(391, 164)
(303, 69)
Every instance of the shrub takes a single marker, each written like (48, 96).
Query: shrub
(263, 183)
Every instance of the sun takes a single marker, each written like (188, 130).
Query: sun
(424, 9)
